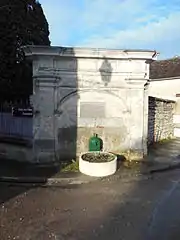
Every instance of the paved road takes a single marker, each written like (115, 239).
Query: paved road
(144, 209)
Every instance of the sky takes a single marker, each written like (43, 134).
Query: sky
(123, 24)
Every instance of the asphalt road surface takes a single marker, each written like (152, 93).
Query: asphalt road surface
(133, 210)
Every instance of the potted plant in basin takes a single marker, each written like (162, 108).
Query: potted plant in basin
(98, 164)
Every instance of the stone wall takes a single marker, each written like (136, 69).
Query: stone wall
(160, 119)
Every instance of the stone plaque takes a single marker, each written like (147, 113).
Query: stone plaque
(92, 110)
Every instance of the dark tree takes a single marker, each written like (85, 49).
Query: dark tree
(22, 22)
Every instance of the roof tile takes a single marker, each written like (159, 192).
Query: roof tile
(165, 68)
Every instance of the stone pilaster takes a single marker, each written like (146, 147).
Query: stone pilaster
(138, 123)
(43, 121)
(146, 108)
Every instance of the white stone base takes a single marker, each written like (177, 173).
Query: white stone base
(176, 119)
(176, 132)
(97, 169)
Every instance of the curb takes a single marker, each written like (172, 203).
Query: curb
(168, 167)
(54, 181)
(69, 183)
(45, 182)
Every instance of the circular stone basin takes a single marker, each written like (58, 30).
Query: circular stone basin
(97, 164)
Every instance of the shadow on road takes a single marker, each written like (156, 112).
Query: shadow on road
(14, 169)
(9, 191)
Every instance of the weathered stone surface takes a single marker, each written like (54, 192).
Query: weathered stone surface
(160, 119)
(114, 138)
(16, 152)
(82, 91)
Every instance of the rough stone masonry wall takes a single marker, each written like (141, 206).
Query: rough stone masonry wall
(160, 119)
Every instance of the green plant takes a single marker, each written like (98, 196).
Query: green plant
(98, 157)
(72, 166)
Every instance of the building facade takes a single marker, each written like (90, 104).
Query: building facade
(165, 84)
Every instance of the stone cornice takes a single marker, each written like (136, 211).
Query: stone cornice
(32, 51)
(136, 83)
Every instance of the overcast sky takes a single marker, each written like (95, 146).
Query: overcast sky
(130, 24)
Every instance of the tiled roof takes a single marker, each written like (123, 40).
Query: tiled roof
(165, 68)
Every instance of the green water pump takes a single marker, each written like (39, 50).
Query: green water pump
(95, 143)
